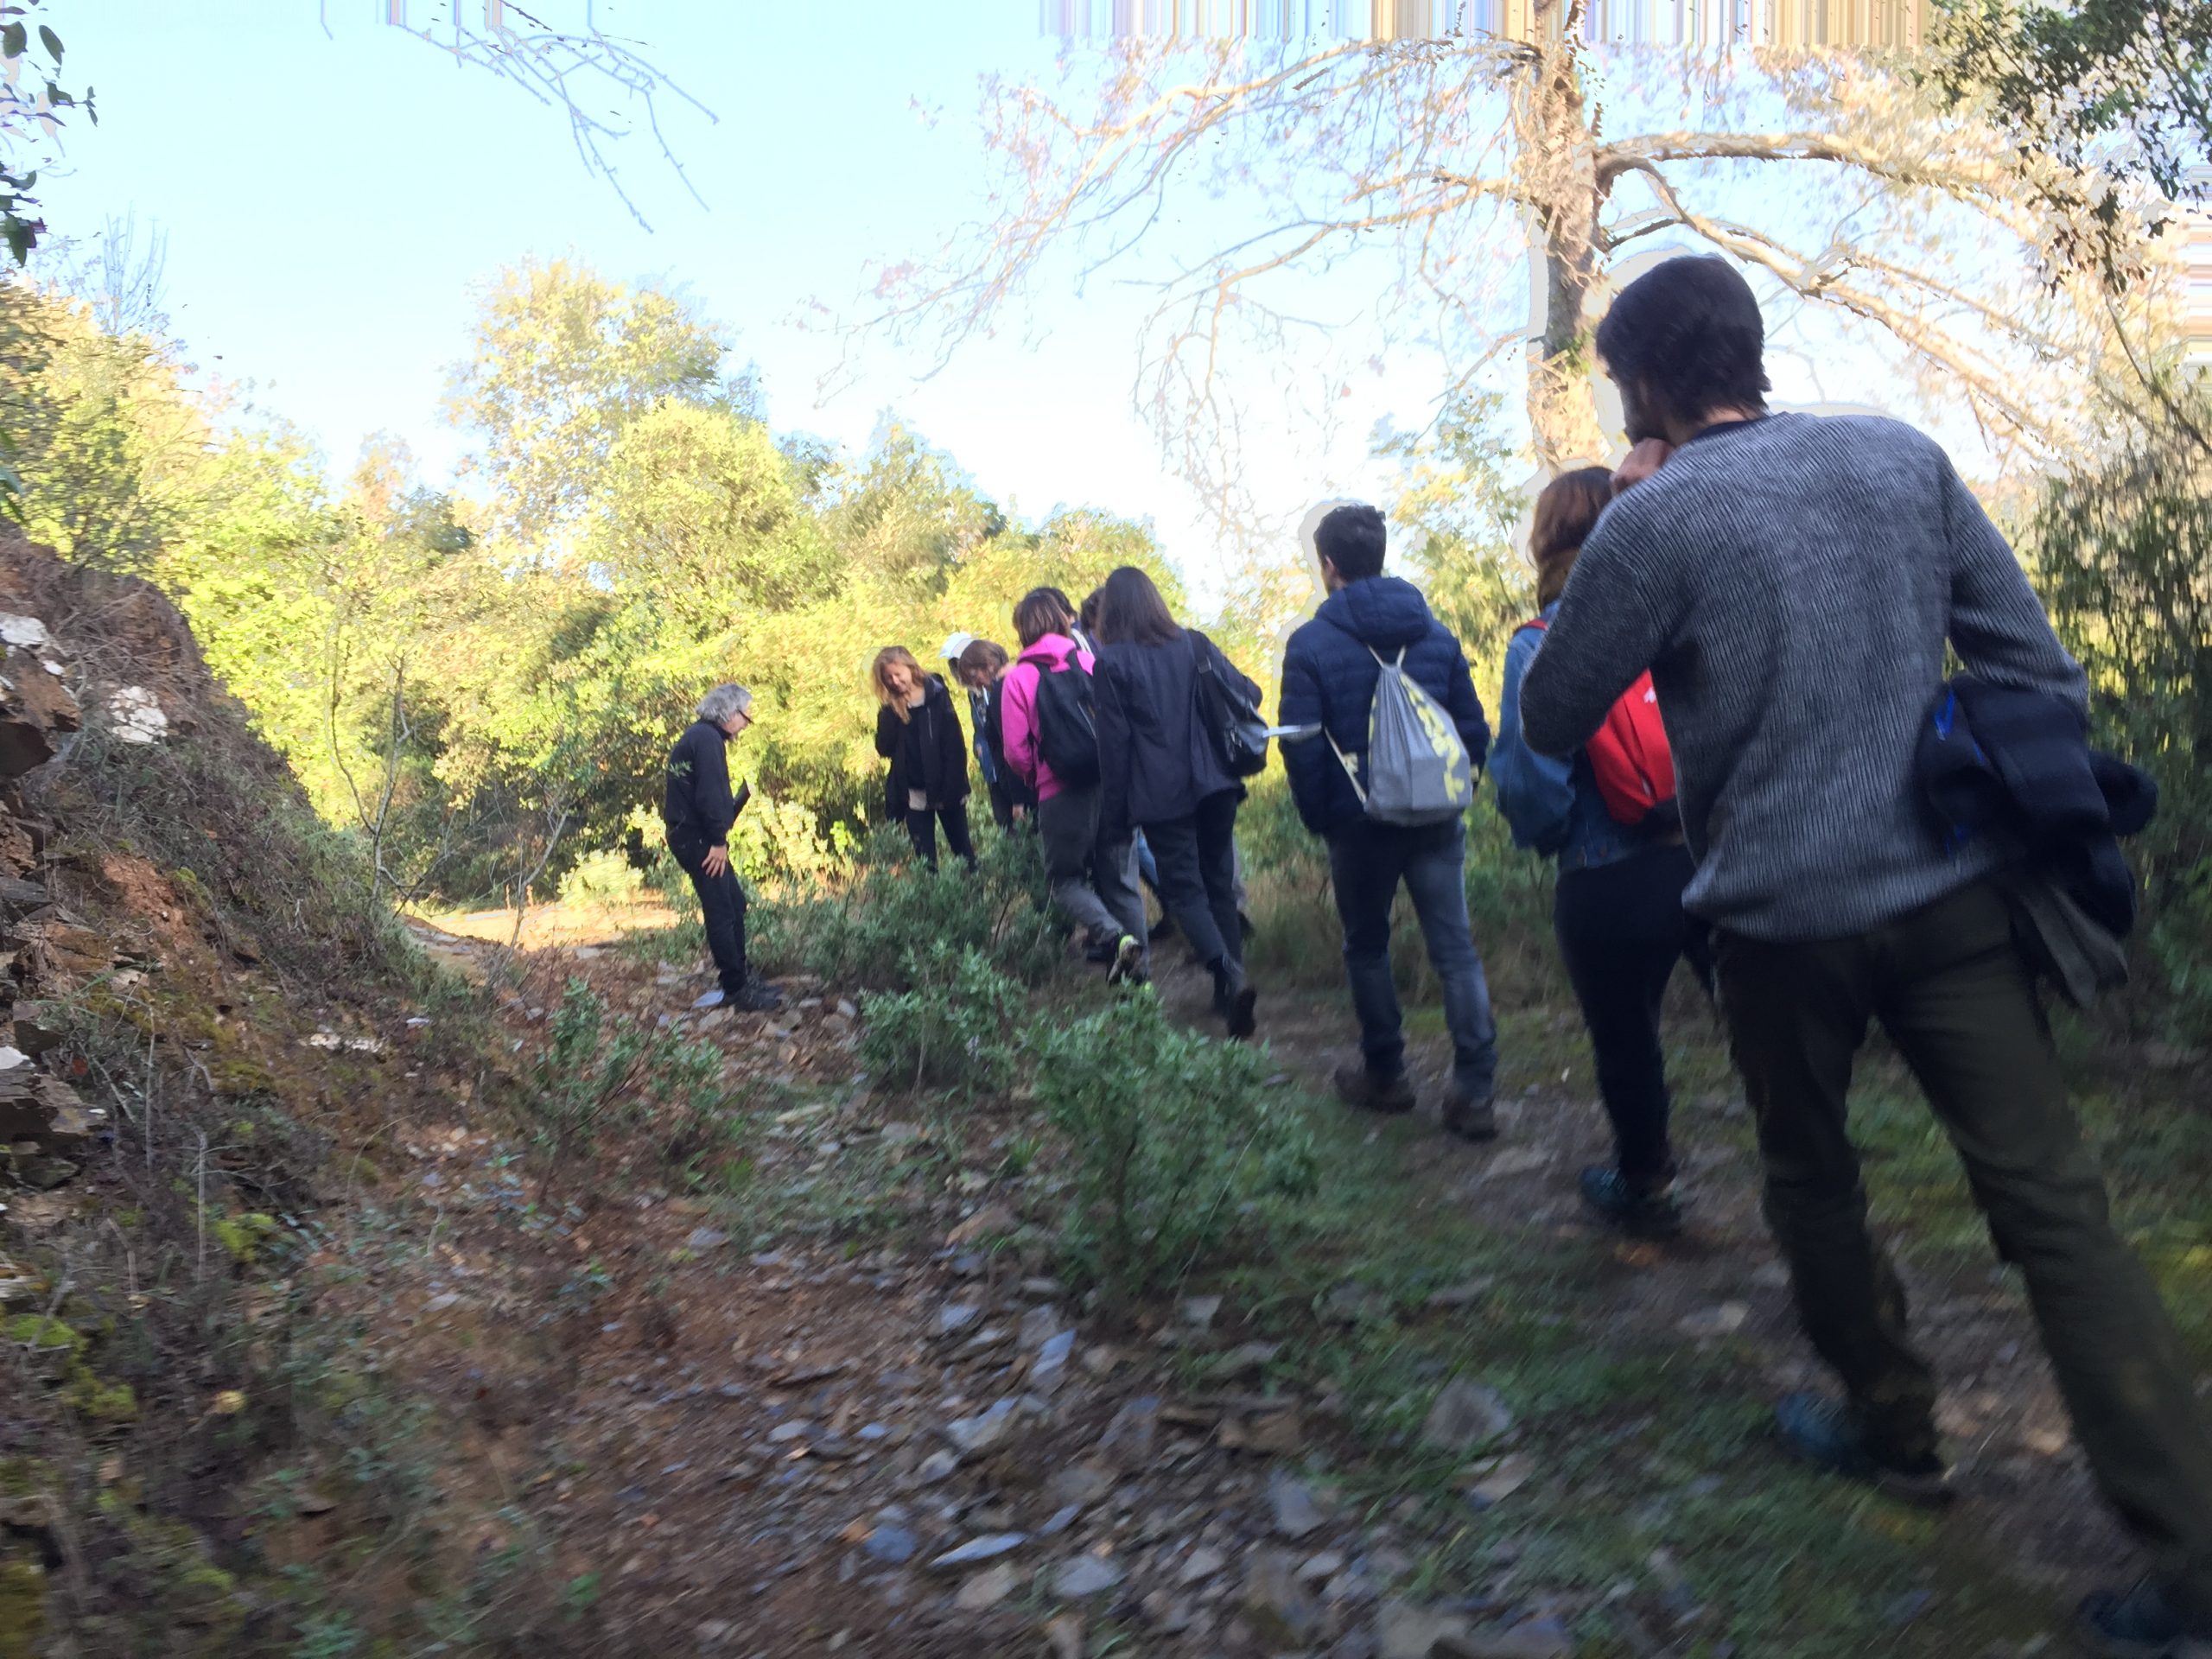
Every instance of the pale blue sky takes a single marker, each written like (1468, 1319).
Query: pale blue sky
(331, 202)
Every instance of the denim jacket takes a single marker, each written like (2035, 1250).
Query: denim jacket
(1552, 806)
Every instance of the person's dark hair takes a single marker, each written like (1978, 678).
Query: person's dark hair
(1087, 619)
(1132, 613)
(984, 656)
(1566, 513)
(1040, 611)
(1353, 539)
(1687, 334)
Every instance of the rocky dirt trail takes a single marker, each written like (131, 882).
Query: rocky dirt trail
(853, 1412)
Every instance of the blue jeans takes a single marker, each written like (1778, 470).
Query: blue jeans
(1366, 864)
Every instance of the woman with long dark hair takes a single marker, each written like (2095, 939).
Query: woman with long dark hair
(1160, 773)
(1618, 909)
(917, 731)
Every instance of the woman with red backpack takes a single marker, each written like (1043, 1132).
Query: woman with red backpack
(1608, 816)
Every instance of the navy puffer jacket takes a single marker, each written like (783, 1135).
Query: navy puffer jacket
(1329, 672)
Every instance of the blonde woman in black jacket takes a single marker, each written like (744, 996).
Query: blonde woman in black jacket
(917, 731)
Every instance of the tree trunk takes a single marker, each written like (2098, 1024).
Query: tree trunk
(1558, 155)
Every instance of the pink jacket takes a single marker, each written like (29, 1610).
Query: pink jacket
(1020, 716)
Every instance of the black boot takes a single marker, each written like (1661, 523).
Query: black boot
(1234, 999)
(2139, 1624)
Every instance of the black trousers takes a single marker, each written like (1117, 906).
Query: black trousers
(921, 828)
(1196, 858)
(722, 905)
(1621, 929)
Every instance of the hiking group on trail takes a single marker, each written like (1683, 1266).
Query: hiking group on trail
(1730, 724)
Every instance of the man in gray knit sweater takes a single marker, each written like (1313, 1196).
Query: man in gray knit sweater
(1792, 582)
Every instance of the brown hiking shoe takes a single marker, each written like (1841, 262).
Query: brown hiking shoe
(1361, 1090)
(1470, 1119)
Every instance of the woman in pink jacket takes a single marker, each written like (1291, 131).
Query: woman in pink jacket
(1094, 881)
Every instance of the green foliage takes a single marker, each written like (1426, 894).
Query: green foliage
(603, 877)
(864, 933)
(2121, 552)
(2115, 91)
(32, 105)
(589, 1081)
(957, 1027)
(1455, 495)
(1172, 1137)
(564, 360)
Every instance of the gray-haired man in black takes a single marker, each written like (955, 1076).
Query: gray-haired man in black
(1792, 582)
(699, 812)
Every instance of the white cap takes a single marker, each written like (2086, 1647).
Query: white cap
(954, 645)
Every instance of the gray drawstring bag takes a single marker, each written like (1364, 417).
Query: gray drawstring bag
(1417, 768)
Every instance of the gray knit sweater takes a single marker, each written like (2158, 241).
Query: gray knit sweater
(1791, 582)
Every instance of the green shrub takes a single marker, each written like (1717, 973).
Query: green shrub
(604, 876)
(587, 1081)
(862, 933)
(1172, 1136)
(958, 1027)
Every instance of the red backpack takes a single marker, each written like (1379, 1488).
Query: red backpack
(1629, 755)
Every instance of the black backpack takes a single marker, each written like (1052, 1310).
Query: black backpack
(1231, 720)
(1067, 725)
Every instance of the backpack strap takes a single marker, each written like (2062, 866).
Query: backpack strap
(1351, 772)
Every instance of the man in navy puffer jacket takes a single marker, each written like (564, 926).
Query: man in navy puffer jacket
(1329, 672)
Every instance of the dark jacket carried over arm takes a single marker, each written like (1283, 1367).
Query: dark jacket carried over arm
(2015, 766)
(926, 751)
(698, 807)
(1156, 760)
(1329, 672)
(1008, 782)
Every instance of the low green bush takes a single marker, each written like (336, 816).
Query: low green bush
(862, 932)
(959, 1026)
(589, 1080)
(1174, 1138)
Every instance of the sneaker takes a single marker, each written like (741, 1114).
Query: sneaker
(1128, 967)
(2139, 1624)
(756, 998)
(1361, 1090)
(1646, 1213)
(1469, 1118)
(1828, 1434)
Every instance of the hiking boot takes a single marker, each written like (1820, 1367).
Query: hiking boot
(1098, 952)
(1361, 1090)
(1128, 962)
(754, 998)
(1829, 1434)
(2139, 1624)
(1469, 1118)
(1641, 1212)
(1235, 999)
